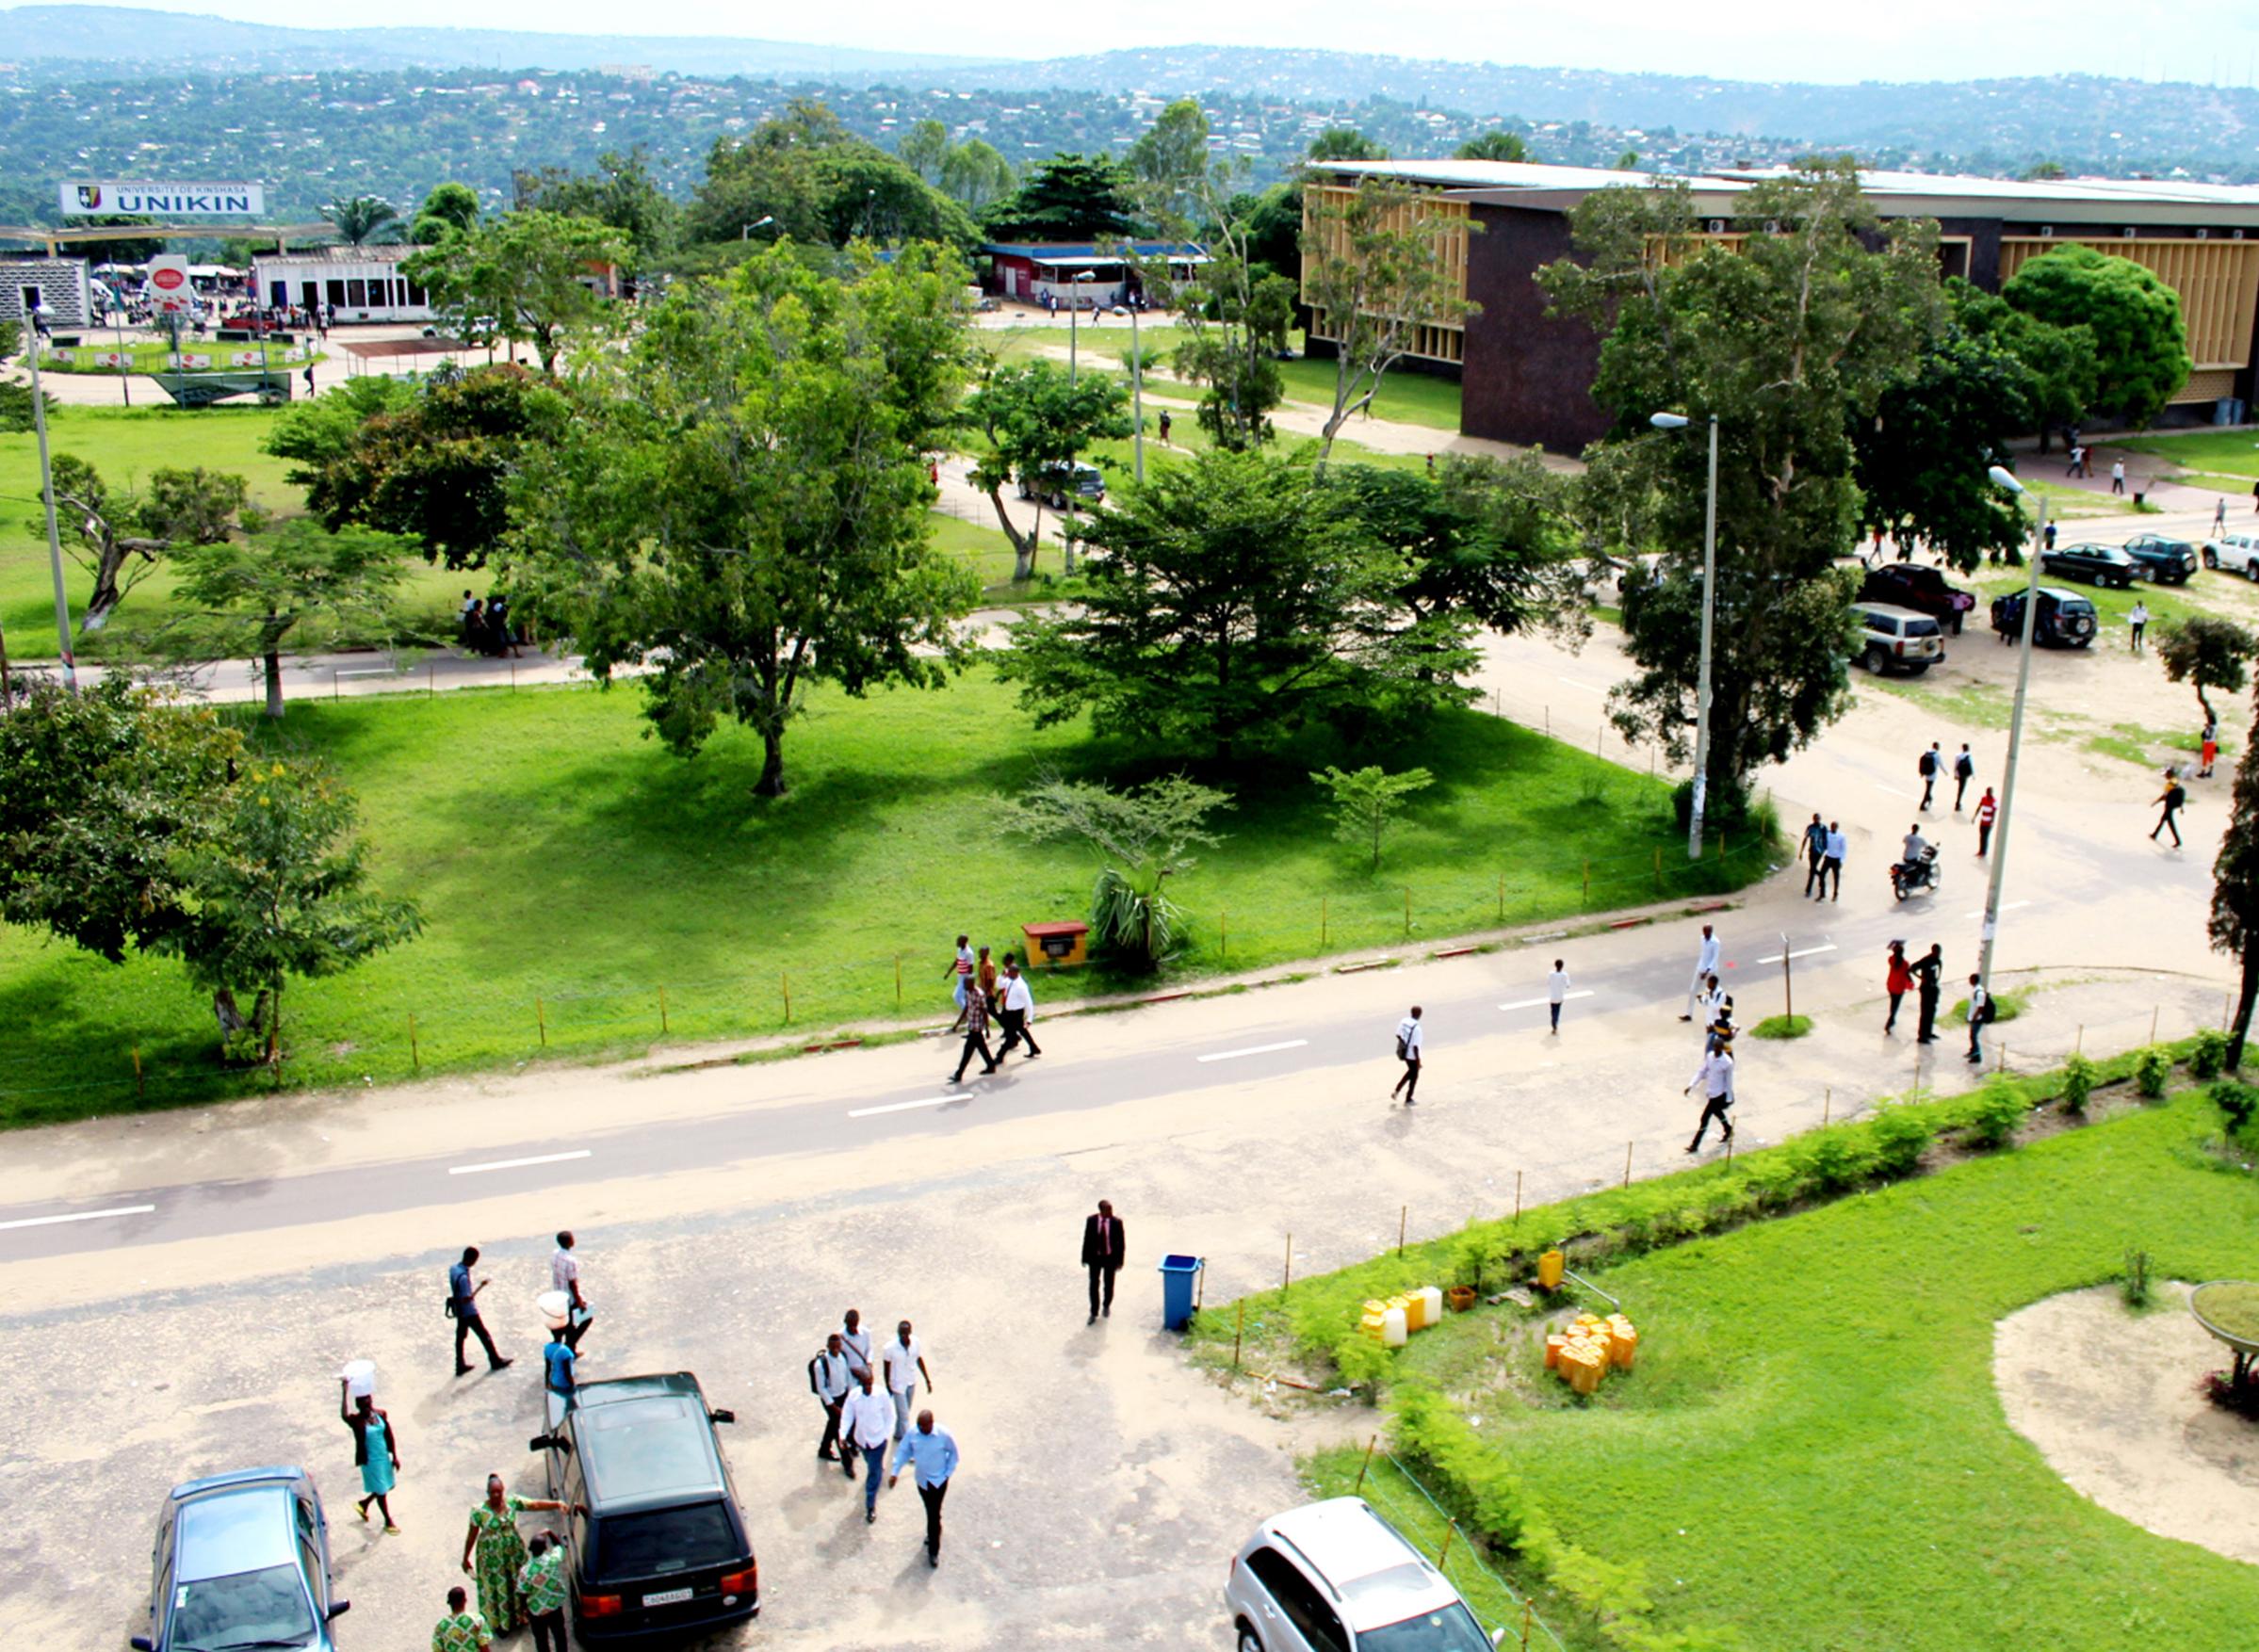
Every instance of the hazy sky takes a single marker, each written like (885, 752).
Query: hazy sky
(2200, 41)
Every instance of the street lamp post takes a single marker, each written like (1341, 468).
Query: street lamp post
(2002, 478)
(1074, 307)
(1672, 421)
(746, 230)
(1137, 400)
(38, 317)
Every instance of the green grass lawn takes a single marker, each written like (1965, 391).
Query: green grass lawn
(2216, 453)
(559, 853)
(1812, 1452)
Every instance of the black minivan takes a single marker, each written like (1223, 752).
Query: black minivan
(656, 1543)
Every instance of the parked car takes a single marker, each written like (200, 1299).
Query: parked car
(241, 1560)
(1055, 485)
(1335, 1577)
(2238, 553)
(1897, 639)
(655, 1544)
(2095, 564)
(2162, 560)
(1922, 589)
(2064, 620)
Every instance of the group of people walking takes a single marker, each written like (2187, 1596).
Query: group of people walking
(861, 1421)
(981, 994)
(488, 627)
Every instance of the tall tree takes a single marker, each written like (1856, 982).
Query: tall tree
(1067, 198)
(976, 175)
(119, 539)
(533, 274)
(1037, 419)
(741, 506)
(1789, 341)
(1168, 162)
(2206, 652)
(2058, 361)
(2233, 926)
(1374, 274)
(2141, 347)
(450, 209)
(816, 182)
(621, 192)
(361, 218)
(924, 147)
(1497, 145)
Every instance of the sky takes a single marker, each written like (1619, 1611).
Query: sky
(2200, 41)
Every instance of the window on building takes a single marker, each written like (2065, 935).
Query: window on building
(415, 294)
(356, 293)
(337, 292)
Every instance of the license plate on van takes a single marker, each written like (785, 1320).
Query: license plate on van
(669, 1597)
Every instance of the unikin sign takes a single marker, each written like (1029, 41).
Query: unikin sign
(163, 200)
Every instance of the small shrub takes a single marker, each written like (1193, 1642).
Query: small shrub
(1836, 1159)
(1900, 1137)
(1728, 1205)
(2235, 1099)
(2207, 1053)
(2153, 1068)
(2078, 1083)
(1782, 1027)
(1363, 1361)
(1468, 1257)
(1774, 1184)
(1994, 1114)
(2132, 1284)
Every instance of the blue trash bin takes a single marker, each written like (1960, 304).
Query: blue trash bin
(1178, 1274)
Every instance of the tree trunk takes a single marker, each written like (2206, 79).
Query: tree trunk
(2249, 991)
(771, 783)
(1023, 545)
(2209, 718)
(273, 660)
(270, 1009)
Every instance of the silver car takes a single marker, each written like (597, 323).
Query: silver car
(241, 1560)
(1335, 1577)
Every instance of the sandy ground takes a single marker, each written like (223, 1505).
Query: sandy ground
(2110, 1399)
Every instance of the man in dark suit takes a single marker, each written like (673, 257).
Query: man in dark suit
(1104, 1246)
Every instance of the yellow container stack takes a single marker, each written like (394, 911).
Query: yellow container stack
(1589, 1348)
(1390, 1321)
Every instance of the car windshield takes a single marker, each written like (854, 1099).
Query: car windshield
(1450, 1629)
(661, 1542)
(265, 1607)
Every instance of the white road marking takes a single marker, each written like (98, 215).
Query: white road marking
(384, 674)
(1574, 684)
(79, 1216)
(1532, 1003)
(903, 1107)
(1798, 952)
(472, 1170)
(2005, 906)
(1259, 1049)
(1889, 791)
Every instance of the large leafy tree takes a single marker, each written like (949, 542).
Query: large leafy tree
(1235, 312)
(2058, 361)
(1237, 600)
(120, 537)
(1067, 198)
(1036, 418)
(1924, 452)
(1497, 145)
(976, 175)
(530, 273)
(1168, 163)
(740, 507)
(449, 209)
(2142, 346)
(924, 147)
(1345, 143)
(621, 192)
(1789, 341)
(2206, 652)
(361, 218)
(815, 182)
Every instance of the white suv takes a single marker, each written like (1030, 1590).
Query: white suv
(1896, 639)
(2238, 552)
(1335, 1577)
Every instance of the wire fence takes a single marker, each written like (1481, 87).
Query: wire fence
(1412, 1509)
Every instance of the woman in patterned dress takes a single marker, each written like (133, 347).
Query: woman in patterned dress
(501, 1554)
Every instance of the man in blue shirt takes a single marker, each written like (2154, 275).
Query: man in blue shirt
(557, 1363)
(462, 1302)
(933, 1452)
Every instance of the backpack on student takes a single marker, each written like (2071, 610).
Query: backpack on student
(1403, 1053)
(815, 1370)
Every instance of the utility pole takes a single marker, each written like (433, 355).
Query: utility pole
(2008, 780)
(38, 317)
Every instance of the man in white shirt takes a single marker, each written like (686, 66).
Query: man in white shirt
(1018, 1006)
(1714, 1004)
(1706, 962)
(905, 1362)
(1557, 990)
(565, 1274)
(855, 1342)
(829, 1379)
(1831, 861)
(1715, 1077)
(1408, 1045)
(867, 1423)
(1980, 1011)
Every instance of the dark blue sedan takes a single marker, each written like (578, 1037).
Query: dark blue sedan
(241, 1563)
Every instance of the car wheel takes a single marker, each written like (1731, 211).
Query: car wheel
(1897, 886)
(1249, 1640)
(1876, 658)
(2211, 560)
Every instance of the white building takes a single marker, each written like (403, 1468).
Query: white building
(359, 283)
(60, 284)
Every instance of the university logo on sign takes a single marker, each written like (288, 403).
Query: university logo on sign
(90, 198)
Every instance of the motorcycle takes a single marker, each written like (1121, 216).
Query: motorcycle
(1913, 877)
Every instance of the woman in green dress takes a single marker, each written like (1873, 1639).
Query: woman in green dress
(376, 1451)
(500, 1552)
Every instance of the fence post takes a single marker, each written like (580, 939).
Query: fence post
(1501, 898)
(139, 1090)
(1658, 869)
(1239, 1331)
(1287, 1279)
(2152, 1022)
(1321, 923)
(1451, 1529)
(1627, 1164)
(1729, 1147)
(1407, 912)
(1587, 897)
(1827, 1107)
(1526, 1612)
(540, 1015)
(786, 979)
(2078, 1039)
(1788, 984)
(415, 1054)
(1223, 935)
(1517, 1198)
(1370, 1445)
(662, 1010)
(430, 680)
(1404, 1214)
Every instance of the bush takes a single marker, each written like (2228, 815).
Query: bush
(2152, 1067)
(2078, 1083)
(1994, 1114)
(2236, 1100)
(2132, 1284)
(1835, 1159)
(1782, 1027)
(1900, 1135)
(1480, 1488)
(2207, 1053)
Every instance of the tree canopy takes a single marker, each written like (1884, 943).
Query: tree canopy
(621, 192)
(2140, 343)
(1037, 418)
(361, 218)
(1067, 198)
(818, 182)
(1345, 143)
(2206, 652)
(530, 274)
(1494, 145)
(450, 209)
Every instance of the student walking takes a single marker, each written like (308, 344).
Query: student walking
(1409, 1044)
(1964, 771)
(376, 1451)
(1980, 1014)
(905, 1362)
(2118, 475)
(1557, 990)
(2172, 797)
(975, 1019)
(959, 974)
(933, 1456)
(1714, 1004)
(856, 1343)
(2136, 622)
(1927, 768)
(831, 1383)
(2211, 749)
(1164, 426)
(1105, 1247)
(1838, 847)
(1927, 969)
(1987, 810)
(1017, 1008)
(867, 1421)
(1715, 1077)
(2220, 515)
(1815, 850)
(565, 1274)
(1897, 980)
(1706, 962)
(462, 1304)
(558, 1361)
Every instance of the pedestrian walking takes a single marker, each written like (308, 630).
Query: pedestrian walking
(1164, 426)
(309, 379)
(558, 1360)
(1715, 1077)
(565, 1274)
(867, 1422)
(1410, 1043)
(1832, 870)
(2047, 542)
(1104, 1250)
(2219, 517)
(461, 1630)
(1987, 810)
(2211, 749)
(856, 1343)
(984, 979)
(2136, 622)
(1931, 761)
(1980, 1014)
(492, 1540)
(1714, 1002)
(376, 1451)
(1964, 771)
(2118, 475)
(1557, 990)
(1706, 962)
(905, 1362)
(959, 975)
(1816, 852)
(542, 1583)
(975, 1019)
(2078, 458)
(2172, 798)
(831, 1382)
(1897, 980)
(932, 1456)
(1928, 969)
(1018, 1009)
(463, 1306)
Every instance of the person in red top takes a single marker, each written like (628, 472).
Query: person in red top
(1898, 983)
(1986, 812)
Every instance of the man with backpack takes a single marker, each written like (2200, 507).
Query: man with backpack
(1980, 1016)
(1407, 1051)
(1931, 762)
(829, 1381)
(1964, 771)
(1815, 853)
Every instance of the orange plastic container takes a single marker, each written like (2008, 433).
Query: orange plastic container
(1625, 1348)
(1554, 1345)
